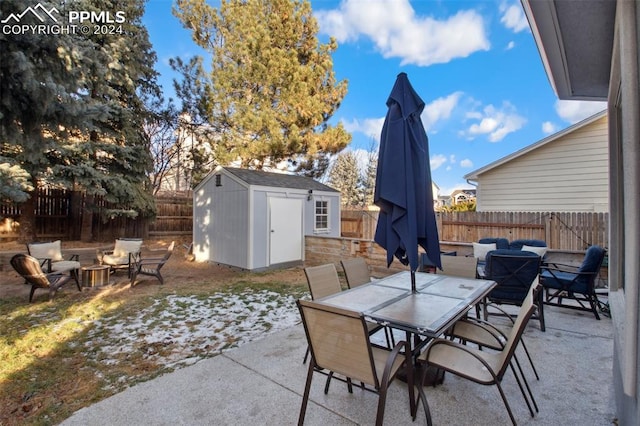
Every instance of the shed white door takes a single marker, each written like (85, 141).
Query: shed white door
(285, 238)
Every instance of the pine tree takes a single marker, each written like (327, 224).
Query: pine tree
(39, 96)
(344, 176)
(71, 108)
(271, 88)
(113, 159)
(368, 179)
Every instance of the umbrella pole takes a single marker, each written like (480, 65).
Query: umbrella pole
(413, 282)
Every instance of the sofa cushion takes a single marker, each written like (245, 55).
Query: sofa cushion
(52, 250)
(124, 247)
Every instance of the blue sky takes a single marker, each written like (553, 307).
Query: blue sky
(474, 63)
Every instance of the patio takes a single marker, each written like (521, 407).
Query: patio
(261, 382)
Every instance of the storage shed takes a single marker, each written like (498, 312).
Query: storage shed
(256, 220)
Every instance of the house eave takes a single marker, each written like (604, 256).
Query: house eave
(572, 42)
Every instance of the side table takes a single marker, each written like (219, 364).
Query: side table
(95, 275)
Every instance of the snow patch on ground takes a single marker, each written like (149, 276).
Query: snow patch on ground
(180, 330)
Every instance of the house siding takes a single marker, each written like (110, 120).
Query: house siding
(567, 174)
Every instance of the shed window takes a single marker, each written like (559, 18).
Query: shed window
(218, 180)
(322, 214)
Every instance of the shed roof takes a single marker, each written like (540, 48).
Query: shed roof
(277, 180)
(474, 174)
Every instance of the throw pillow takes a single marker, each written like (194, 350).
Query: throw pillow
(480, 250)
(540, 251)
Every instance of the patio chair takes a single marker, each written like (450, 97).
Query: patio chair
(124, 255)
(514, 271)
(459, 266)
(568, 282)
(356, 271)
(152, 266)
(323, 281)
(29, 268)
(426, 265)
(339, 342)
(483, 367)
(49, 254)
(485, 334)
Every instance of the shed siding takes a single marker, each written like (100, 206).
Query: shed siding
(567, 174)
(223, 237)
(334, 215)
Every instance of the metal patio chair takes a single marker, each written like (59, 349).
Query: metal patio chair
(483, 367)
(515, 271)
(49, 254)
(486, 335)
(459, 266)
(152, 266)
(568, 282)
(356, 271)
(124, 255)
(29, 268)
(339, 342)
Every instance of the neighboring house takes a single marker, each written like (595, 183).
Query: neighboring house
(443, 201)
(255, 220)
(567, 171)
(591, 52)
(461, 196)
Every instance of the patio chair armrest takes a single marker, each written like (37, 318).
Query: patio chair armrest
(149, 261)
(504, 312)
(45, 264)
(489, 328)
(392, 358)
(75, 257)
(439, 341)
(559, 267)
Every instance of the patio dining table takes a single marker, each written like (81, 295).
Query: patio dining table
(439, 301)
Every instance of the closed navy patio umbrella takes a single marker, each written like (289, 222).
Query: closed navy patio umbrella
(403, 182)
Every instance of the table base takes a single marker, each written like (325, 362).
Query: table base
(434, 376)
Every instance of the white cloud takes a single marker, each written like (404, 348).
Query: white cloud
(438, 110)
(436, 161)
(397, 32)
(549, 127)
(513, 17)
(466, 163)
(495, 123)
(511, 45)
(371, 127)
(574, 111)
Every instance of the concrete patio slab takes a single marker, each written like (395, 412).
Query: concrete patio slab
(261, 383)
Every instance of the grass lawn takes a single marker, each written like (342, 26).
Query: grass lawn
(60, 356)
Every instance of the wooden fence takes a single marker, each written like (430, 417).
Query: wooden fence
(561, 230)
(60, 215)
